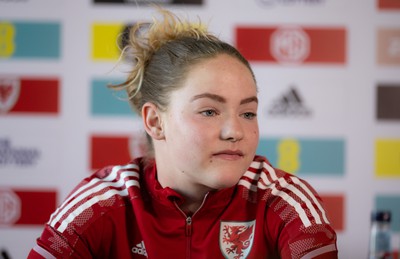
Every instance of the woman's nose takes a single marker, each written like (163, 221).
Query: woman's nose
(232, 129)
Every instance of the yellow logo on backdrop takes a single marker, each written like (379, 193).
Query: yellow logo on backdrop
(105, 41)
(7, 34)
(387, 157)
(288, 155)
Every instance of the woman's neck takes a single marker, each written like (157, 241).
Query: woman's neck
(193, 194)
(190, 207)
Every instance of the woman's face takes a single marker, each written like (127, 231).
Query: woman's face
(210, 126)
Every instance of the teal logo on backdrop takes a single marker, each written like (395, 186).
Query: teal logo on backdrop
(391, 203)
(108, 102)
(321, 157)
(29, 40)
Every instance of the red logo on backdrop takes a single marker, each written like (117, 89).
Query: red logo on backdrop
(26, 207)
(335, 207)
(9, 93)
(292, 44)
(116, 150)
(10, 207)
(29, 95)
(389, 4)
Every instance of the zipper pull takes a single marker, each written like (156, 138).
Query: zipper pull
(188, 226)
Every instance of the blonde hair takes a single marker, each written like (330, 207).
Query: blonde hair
(163, 52)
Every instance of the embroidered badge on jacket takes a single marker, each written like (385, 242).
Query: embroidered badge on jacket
(236, 238)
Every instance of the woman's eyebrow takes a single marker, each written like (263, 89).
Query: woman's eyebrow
(221, 99)
(214, 97)
(249, 100)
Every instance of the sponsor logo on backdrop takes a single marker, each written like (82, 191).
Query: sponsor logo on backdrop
(109, 39)
(106, 40)
(28, 95)
(391, 203)
(272, 3)
(388, 104)
(387, 154)
(389, 4)
(117, 101)
(108, 150)
(322, 157)
(26, 207)
(292, 44)
(388, 46)
(334, 204)
(17, 156)
(289, 104)
(10, 207)
(9, 93)
(29, 40)
(146, 2)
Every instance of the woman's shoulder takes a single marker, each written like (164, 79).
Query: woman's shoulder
(262, 175)
(294, 210)
(106, 189)
(282, 191)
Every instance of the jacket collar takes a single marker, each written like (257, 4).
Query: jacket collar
(168, 196)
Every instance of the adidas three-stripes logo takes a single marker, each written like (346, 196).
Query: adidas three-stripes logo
(140, 249)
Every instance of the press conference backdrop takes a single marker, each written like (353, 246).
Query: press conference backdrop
(328, 73)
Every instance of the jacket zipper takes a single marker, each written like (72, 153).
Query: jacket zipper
(188, 236)
(188, 226)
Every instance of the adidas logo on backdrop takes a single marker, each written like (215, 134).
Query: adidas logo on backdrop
(289, 104)
(139, 249)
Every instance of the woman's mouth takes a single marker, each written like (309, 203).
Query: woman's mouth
(229, 154)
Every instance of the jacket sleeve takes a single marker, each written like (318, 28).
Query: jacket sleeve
(297, 220)
(83, 224)
(52, 244)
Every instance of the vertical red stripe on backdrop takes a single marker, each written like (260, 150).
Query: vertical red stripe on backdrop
(334, 206)
(38, 96)
(254, 43)
(36, 206)
(388, 4)
(327, 45)
(109, 150)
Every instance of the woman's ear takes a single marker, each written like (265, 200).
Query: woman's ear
(152, 121)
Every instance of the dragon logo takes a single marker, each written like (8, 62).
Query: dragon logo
(9, 93)
(236, 238)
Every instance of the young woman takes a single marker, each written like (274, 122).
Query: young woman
(202, 192)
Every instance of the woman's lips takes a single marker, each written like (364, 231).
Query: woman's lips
(229, 154)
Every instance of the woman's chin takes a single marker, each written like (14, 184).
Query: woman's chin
(226, 182)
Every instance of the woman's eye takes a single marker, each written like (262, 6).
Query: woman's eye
(209, 113)
(249, 115)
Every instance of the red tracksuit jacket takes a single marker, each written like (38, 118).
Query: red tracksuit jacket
(123, 212)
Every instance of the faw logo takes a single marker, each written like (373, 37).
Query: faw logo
(10, 207)
(290, 45)
(9, 92)
(26, 207)
(29, 95)
(236, 238)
